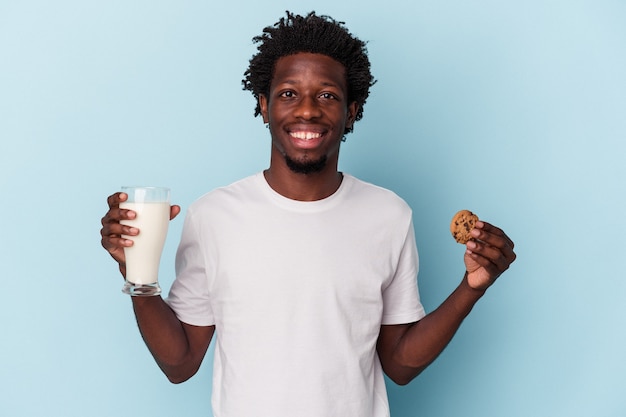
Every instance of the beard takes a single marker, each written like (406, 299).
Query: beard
(306, 166)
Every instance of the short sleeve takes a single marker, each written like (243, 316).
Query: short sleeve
(401, 301)
(189, 294)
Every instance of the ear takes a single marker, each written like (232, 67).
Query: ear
(351, 116)
(263, 104)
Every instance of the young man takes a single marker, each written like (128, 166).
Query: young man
(306, 275)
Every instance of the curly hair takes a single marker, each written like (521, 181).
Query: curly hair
(315, 34)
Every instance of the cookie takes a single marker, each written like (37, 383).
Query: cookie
(462, 224)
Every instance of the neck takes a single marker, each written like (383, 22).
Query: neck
(303, 187)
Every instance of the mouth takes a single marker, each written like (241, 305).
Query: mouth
(306, 138)
(305, 135)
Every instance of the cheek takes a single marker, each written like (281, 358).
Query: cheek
(276, 143)
(273, 113)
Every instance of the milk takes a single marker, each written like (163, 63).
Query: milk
(143, 258)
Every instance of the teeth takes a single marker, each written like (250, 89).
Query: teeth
(305, 135)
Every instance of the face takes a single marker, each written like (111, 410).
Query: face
(307, 111)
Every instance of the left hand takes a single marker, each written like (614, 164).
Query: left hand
(488, 255)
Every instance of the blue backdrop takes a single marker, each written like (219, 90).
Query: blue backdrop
(515, 110)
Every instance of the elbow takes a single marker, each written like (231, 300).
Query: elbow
(404, 376)
(402, 380)
(402, 373)
(177, 375)
(176, 379)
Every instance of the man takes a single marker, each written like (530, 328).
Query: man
(306, 275)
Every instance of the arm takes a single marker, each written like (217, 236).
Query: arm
(405, 350)
(177, 347)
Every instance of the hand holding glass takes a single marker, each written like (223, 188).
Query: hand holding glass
(152, 208)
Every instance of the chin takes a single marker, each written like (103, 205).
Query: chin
(306, 166)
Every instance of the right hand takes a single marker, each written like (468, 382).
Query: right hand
(112, 230)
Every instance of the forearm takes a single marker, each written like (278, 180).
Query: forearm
(420, 343)
(165, 337)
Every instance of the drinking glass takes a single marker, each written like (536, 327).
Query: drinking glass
(152, 206)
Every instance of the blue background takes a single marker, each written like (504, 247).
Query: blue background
(515, 110)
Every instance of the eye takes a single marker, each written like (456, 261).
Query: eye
(328, 96)
(287, 94)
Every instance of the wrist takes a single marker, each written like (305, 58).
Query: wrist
(475, 292)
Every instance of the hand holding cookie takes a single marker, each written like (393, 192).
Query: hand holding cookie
(489, 251)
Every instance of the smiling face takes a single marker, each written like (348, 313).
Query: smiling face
(308, 111)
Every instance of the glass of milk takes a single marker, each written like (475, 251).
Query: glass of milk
(152, 205)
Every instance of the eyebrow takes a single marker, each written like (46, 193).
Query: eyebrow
(324, 84)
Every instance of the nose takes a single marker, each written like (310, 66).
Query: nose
(308, 108)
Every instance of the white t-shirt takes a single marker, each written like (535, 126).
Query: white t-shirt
(297, 292)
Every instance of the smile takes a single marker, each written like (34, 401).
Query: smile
(305, 135)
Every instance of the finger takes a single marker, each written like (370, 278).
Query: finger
(484, 231)
(116, 214)
(494, 236)
(115, 199)
(491, 239)
(174, 211)
(487, 255)
(491, 253)
(112, 243)
(112, 230)
(117, 230)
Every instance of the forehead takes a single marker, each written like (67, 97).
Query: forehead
(309, 67)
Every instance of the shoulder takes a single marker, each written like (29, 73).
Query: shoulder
(237, 192)
(375, 195)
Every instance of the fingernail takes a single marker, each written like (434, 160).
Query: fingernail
(471, 245)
